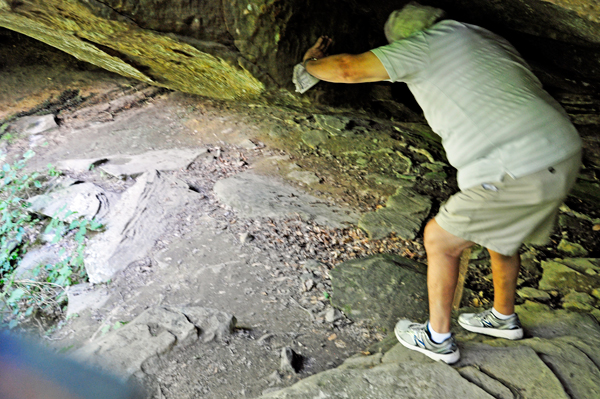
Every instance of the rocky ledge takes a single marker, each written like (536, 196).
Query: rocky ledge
(559, 358)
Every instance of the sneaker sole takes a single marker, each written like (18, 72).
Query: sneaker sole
(448, 359)
(494, 332)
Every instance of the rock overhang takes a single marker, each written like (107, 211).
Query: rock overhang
(235, 50)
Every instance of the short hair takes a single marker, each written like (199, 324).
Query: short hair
(410, 19)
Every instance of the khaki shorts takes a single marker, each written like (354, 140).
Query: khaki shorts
(502, 215)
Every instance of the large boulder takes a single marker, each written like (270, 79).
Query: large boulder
(404, 214)
(270, 34)
(380, 289)
(137, 220)
(224, 50)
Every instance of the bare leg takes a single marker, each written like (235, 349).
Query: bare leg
(443, 253)
(505, 271)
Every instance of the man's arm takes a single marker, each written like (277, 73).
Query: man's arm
(343, 68)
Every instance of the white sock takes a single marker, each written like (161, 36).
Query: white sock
(500, 315)
(436, 336)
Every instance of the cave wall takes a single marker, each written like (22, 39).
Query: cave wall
(271, 34)
(198, 19)
(119, 45)
(235, 49)
(561, 37)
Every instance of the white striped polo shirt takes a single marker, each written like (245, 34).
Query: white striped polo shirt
(481, 97)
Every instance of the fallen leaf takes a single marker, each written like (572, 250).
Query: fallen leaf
(340, 344)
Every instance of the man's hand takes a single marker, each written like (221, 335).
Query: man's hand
(343, 68)
(319, 49)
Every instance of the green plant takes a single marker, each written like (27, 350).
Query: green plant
(43, 289)
(70, 268)
(17, 222)
(52, 170)
(7, 137)
(3, 128)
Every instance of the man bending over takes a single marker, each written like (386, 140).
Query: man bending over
(515, 150)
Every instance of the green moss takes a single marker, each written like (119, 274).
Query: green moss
(129, 51)
(347, 310)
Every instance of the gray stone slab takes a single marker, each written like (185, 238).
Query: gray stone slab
(72, 202)
(85, 296)
(519, 368)
(35, 124)
(136, 221)
(563, 275)
(380, 289)
(34, 257)
(400, 354)
(395, 380)
(541, 321)
(362, 362)
(403, 214)
(578, 374)
(154, 332)
(492, 386)
(127, 348)
(533, 293)
(254, 196)
(134, 165)
(590, 347)
(581, 329)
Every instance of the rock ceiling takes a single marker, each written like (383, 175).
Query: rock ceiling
(233, 50)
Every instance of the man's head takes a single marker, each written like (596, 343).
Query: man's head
(410, 19)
